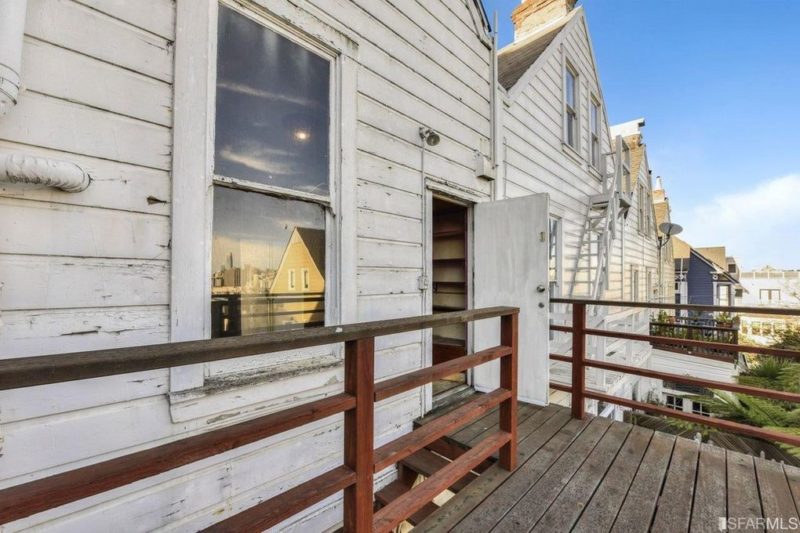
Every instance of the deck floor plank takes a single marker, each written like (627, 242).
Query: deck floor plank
(596, 475)
(710, 490)
(777, 501)
(533, 504)
(533, 434)
(567, 507)
(743, 495)
(600, 513)
(675, 504)
(637, 511)
(495, 506)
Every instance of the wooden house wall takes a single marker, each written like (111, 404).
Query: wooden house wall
(536, 159)
(92, 270)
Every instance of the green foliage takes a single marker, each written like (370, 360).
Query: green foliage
(787, 338)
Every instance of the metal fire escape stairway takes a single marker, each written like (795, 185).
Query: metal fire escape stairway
(593, 257)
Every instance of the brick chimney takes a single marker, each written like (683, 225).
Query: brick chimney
(531, 15)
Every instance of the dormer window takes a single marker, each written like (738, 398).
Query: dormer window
(571, 106)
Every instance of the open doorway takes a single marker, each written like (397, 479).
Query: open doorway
(449, 243)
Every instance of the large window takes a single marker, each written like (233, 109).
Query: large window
(769, 295)
(272, 180)
(723, 294)
(594, 132)
(571, 106)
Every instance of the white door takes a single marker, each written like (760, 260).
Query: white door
(510, 268)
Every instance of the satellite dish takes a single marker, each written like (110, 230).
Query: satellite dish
(669, 229)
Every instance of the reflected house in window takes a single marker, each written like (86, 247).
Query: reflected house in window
(297, 303)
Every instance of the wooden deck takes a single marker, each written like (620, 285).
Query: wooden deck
(595, 475)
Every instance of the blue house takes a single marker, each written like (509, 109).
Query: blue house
(704, 276)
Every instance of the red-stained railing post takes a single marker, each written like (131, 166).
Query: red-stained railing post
(509, 331)
(578, 360)
(359, 380)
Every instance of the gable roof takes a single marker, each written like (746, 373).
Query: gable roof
(715, 254)
(662, 215)
(680, 248)
(314, 240)
(514, 60)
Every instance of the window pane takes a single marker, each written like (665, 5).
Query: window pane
(570, 88)
(594, 118)
(260, 245)
(273, 108)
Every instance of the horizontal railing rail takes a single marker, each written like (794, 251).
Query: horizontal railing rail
(579, 362)
(357, 402)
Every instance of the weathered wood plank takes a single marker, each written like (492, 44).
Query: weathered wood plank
(410, 502)
(675, 503)
(427, 463)
(396, 450)
(567, 507)
(33, 497)
(155, 16)
(71, 25)
(637, 511)
(602, 509)
(777, 501)
(504, 498)
(48, 282)
(743, 497)
(793, 477)
(534, 433)
(275, 510)
(710, 497)
(531, 506)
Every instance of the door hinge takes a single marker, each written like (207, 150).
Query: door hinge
(423, 283)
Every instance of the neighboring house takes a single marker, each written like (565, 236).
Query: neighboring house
(556, 140)
(768, 287)
(704, 276)
(666, 272)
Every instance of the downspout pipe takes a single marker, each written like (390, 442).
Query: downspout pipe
(12, 28)
(17, 167)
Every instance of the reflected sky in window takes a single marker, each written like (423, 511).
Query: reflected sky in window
(273, 108)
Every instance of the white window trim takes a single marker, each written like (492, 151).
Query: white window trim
(193, 156)
(568, 64)
(594, 100)
(559, 254)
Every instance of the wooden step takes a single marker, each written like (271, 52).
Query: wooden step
(426, 463)
(397, 488)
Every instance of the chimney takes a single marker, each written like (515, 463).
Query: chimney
(532, 15)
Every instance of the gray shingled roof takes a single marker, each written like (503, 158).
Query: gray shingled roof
(515, 60)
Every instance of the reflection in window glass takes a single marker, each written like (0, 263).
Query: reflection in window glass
(273, 108)
(259, 243)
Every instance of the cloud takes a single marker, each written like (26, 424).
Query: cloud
(758, 226)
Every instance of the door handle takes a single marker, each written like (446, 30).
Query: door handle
(540, 289)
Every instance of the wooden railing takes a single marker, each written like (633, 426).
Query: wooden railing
(687, 330)
(357, 402)
(580, 362)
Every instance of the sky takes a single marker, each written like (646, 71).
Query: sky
(718, 82)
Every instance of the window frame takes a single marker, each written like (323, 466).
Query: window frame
(193, 158)
(566, 110)
(675, 400)
(556, 284)
(595, 137)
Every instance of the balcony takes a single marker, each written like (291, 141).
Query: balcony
(486, 462)
(696, 328)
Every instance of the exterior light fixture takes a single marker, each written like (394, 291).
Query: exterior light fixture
(430, 137)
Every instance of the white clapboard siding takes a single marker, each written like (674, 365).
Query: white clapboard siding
(377, 225)
(386, 199)
(381, 253)
(76, 27)
(383, 281)
(41, 120)
(55, 282)
(42, 228)
(74, 330)
(116, 186)
(155, 16)
(63, 73)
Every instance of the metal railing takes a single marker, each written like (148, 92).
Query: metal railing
(580, 363)
(361, 459)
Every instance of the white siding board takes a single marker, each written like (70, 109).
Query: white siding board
(62, 73)
(40, 120)
(377, 253)
(389, 227)
(40, 228)
(155, 16)
(386, 281)
(48, 282)
(79, 28)
(384, 199)
(117, 186)
(74, 330)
